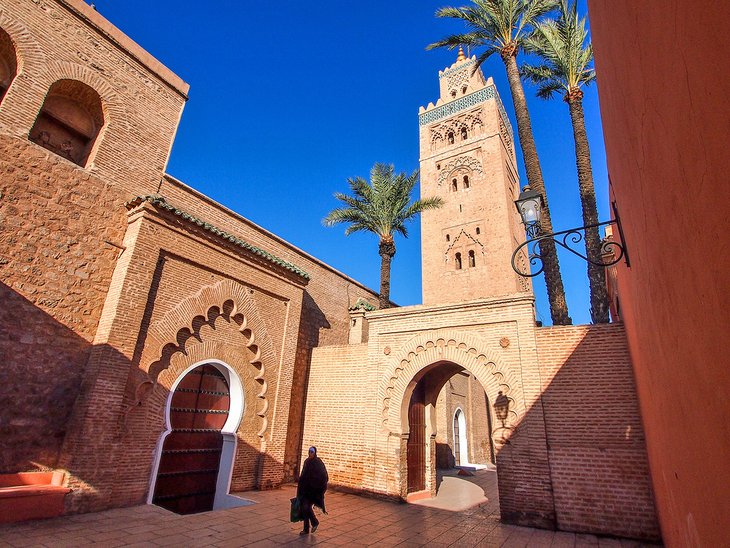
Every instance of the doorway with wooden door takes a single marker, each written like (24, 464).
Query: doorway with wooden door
(195, 454)
(416, 447)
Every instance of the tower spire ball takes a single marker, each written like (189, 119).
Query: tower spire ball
(460, 56)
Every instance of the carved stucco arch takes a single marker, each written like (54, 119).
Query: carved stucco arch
(170, 335)
(462, 163)
(426, 349)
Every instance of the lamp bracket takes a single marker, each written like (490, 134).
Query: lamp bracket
(566, 239)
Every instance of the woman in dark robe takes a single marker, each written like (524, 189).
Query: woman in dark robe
(312, 485)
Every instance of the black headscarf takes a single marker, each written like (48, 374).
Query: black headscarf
(313, 480)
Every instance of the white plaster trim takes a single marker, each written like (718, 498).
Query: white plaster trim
(463, 448)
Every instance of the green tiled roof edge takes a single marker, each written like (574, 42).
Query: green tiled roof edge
(362, 304)
(161, 203)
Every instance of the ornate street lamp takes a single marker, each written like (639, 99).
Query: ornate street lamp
(529, 205)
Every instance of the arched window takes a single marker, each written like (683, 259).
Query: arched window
(69, 121)
(472, 259)
(453, 93)
(448, 238)
(464, 133)
(466, 181)
(8, 62)
(450, 137)
(478, 231)
(463, 90)
(457, 261)
(454, 186)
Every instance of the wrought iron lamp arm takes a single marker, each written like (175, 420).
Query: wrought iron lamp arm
(565, 239)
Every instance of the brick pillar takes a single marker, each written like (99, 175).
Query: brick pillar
(93, 439)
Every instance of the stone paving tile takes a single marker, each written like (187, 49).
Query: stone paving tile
(353, 521)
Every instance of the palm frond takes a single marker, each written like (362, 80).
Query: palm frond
(382, 205)
(537, 73)
(564, 46)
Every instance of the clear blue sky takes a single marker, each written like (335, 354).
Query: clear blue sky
(289, 99)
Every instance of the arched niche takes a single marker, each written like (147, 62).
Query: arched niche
(8, 63)
(69, 121)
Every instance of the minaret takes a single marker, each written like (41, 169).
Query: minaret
(468, 158)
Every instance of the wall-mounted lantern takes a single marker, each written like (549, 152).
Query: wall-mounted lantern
(529, 205)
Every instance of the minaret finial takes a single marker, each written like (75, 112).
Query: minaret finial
(461, 56)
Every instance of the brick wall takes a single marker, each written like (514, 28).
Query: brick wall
(598, 461)
(338, 413)
(55, 266)
(141, 100)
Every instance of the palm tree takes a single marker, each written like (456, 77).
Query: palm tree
(567, 55)
(382, 207)
(500, 26)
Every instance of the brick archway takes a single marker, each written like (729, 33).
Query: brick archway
(423, 351)
(430, 353)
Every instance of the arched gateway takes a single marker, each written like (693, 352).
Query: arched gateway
(412, 385)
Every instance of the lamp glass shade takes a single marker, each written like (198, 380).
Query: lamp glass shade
(530, 211)
(529, 205)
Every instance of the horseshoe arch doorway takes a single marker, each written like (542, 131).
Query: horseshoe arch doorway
(194, 460)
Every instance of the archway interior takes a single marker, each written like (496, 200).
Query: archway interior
(191, 452)
(449, 417)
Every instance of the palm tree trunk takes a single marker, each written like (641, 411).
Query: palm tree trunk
(553, 279)
(596, 274)
(387, 252)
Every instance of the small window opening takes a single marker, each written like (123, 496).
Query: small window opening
(453, 93)
(69, 121)
(478, 231)
(454, 186)
(8, 63)
(450, 137)
(466, 181)
(472, 259)
(438, 166)
(457, 261)
(464, 134)
(459, 208)
(463, 90)
(448, 238)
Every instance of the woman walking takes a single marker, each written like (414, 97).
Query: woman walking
(310, 491)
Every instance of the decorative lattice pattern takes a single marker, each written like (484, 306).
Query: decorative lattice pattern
(464, 103)
(457, 79)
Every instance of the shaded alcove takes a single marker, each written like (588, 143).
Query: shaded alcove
(8, 63)
(69, 121)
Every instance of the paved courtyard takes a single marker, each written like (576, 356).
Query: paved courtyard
(352, 521)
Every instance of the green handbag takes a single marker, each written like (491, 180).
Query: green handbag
(296, 510)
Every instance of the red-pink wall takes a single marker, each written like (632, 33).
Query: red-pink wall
(664, 87)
